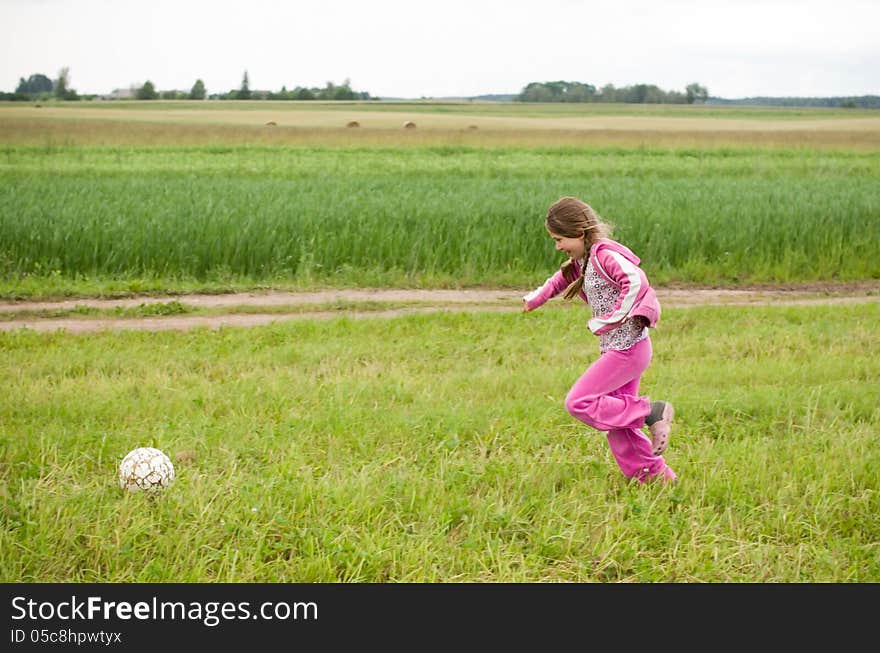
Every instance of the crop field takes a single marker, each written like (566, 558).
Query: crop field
(433, 447)
(215, 215)
(430, 216)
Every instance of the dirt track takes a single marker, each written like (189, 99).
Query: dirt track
(425, 301)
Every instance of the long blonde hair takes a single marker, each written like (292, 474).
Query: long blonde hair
(570, 217)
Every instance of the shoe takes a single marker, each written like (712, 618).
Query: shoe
(661, 428)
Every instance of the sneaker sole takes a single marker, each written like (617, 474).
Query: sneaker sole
(662, 429)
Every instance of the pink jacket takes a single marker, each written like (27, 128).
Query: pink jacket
(618, 265)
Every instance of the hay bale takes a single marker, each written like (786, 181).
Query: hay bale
(472, 127)
(353, 123)
(409, 124)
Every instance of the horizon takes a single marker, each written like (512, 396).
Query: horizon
(736, 50)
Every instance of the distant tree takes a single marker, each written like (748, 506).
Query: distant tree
(562, 91)
(244, 93)
(283, 94)
(198, 91)
(639, 93)
(696, 93)
(62, 82)
(343, 92)
(608, 93)
(147, 92)
(536, 92)
(301, 93)
(333, 92)
(35, 85)
(327, 92)
(62, 88)
(577, 92)
(330, 91)
(558, 91)
(653, 94)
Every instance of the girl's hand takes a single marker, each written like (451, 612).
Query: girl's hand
(526, 308)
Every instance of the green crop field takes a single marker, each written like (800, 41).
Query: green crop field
(433, 447)
(78, 217)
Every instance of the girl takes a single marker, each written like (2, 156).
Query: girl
(605, 274)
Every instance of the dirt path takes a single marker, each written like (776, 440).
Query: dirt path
(18, 315)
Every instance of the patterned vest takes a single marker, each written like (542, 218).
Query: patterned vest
(602, 295)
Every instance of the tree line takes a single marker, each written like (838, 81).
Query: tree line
(562, 91)
(40, 87)
(330, 91)
(843, 102)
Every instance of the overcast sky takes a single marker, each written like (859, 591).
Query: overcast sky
(391, 48)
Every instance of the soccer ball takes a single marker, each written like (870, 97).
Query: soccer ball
(145, 468)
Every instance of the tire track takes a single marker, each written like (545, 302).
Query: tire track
(468, 300)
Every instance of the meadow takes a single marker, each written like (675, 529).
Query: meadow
(434, 447)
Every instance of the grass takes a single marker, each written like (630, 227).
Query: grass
(228, 216)
(436, 448)
(433, 447)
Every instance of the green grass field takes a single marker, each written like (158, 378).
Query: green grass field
(436, 448)
(210, 217)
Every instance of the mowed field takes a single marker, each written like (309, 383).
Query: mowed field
(438, 123)
(434, 447)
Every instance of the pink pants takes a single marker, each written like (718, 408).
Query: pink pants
(606, 398)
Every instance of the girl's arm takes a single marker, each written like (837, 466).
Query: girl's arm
(552, 287)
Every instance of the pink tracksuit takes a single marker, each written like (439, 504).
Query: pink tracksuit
(606, 396)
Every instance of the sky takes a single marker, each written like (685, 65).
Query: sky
(447, 48)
